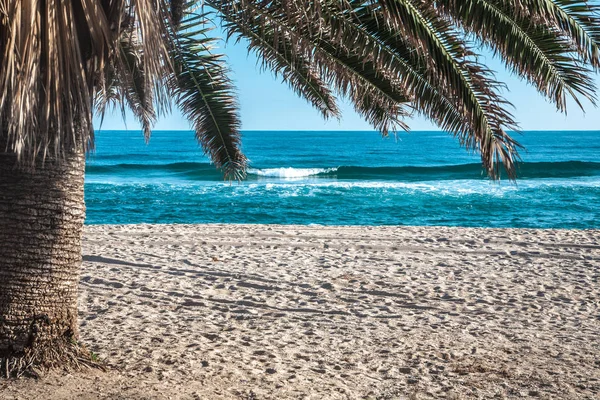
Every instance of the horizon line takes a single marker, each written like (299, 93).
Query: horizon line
(350, 130)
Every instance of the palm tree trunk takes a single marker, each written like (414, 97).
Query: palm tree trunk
(41, 221)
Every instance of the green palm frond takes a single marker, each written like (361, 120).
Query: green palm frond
(151, 30)
(205, 95)
(577, 20)
(109, 94)
(279, 57)
(373, 41)
(373, 93)
(375, 97)
(462, 93)
(473, 85)
(536, 51)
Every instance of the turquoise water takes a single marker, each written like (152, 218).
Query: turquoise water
(344, 178)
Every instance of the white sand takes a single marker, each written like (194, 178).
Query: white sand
(275, 312)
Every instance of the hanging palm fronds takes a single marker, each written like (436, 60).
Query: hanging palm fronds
(391, 58)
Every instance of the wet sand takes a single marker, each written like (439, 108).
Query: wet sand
(277, 312)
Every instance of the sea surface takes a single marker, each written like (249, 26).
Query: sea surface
(344, 178)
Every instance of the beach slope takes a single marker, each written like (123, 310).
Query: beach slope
(276, 312)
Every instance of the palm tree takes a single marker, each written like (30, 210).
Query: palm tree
(60, 61)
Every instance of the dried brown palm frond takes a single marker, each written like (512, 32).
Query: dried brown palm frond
(59, 59)
(125, 85)
(55, 58)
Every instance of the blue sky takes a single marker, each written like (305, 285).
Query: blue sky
(268, 104)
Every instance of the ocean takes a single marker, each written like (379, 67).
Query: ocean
(344, 178)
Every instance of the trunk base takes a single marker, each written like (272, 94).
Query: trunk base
(56, 354)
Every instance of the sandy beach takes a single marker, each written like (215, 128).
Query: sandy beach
(278, 312)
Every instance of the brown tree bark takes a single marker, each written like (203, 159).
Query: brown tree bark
(41, 222)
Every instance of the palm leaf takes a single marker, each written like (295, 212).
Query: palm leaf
(390, 57)
(444, 67)
(56, 58)
(473, 85)
(205, 95)
(295, 69)
(373, 93)
(372, 41)
(577, 20)
(133, 83)
(536, 51)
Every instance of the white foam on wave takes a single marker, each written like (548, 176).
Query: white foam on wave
(293, 189)
(289, 172)
(443, 188)
(290, 186)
